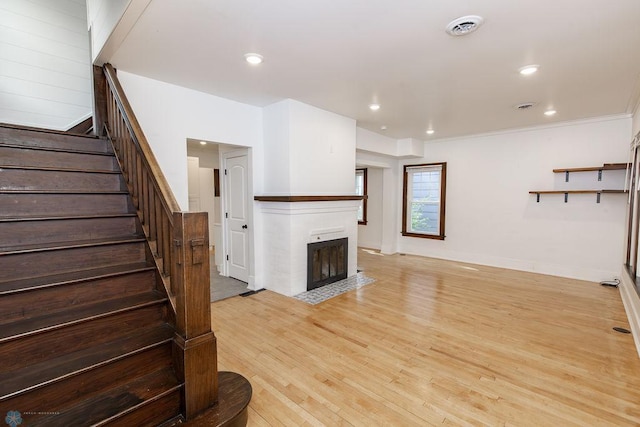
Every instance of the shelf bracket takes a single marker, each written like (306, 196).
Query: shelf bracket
(599, 175)
(566, 176)
(537, 197)
(566, 197)
(597, 197)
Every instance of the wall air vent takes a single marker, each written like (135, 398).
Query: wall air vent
(464, 25)
(525, 106)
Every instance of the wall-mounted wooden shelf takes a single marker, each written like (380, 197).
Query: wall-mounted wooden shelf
(599, 169)
(567, 192)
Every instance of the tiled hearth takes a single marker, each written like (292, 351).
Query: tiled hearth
(323, 293)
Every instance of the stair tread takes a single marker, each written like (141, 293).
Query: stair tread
(59, 150)
(59, 169)
(46, 372)
(72, 315)
(63, 192)
(65, 216)
(50, 131)
(42, 247)
(114, 402)
(40, 282)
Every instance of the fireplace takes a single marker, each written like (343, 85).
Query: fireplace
(326, 262)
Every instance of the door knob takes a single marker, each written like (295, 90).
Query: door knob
(244, 226)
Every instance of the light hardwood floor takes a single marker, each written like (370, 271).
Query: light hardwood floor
(433, 342)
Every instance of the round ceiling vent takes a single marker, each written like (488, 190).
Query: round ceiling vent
(525, 106)
(464, 25)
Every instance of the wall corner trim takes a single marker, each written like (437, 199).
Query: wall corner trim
(631, 302)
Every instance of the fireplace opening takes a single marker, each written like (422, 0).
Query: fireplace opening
(326, 262)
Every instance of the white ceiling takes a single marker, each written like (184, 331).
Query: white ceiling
(341, 55)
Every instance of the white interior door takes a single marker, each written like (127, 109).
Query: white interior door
(237, 217)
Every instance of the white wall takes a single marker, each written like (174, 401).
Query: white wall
(310, 151)
(367, 141)
(208, 157)
(370, 235)
(491, 219)
(102, 17)
(323, 151)
(45, 68)
(384, 232)
(170, 114)
(277, 173)
(110, 21)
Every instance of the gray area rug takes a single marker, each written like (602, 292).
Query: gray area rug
(323, 293)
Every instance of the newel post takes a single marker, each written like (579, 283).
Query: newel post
(194, 344)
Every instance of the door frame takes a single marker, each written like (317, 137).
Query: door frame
(225, 154)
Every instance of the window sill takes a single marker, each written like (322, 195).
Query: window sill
(424, 236)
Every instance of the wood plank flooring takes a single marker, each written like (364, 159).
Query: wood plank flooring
(434, 342)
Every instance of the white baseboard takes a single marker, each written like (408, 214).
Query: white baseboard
(631, 303)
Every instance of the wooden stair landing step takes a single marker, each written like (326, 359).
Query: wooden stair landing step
(234, 394)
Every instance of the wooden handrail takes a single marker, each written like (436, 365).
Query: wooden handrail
(152, 198)
(140, 139)
(179, 242)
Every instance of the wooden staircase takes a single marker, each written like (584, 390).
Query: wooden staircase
(87, 333)
(85, 337)
(105, 315)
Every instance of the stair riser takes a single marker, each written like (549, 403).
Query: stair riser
(13, 156)
(152, 414)
(23, 305)
(67, 230)
(16, 205)
(62, 394)
(38, 180)
(17, 354)
(28, 138)
(34, 264)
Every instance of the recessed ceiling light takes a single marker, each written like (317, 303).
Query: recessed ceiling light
(253, 58)
(464, 25)
(203, 143)
(550, 113)
(527, 70)
(374, 107)
(431, 132)
(383, 127)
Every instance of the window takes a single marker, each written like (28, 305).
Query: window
(361, 190)
(424, 191)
